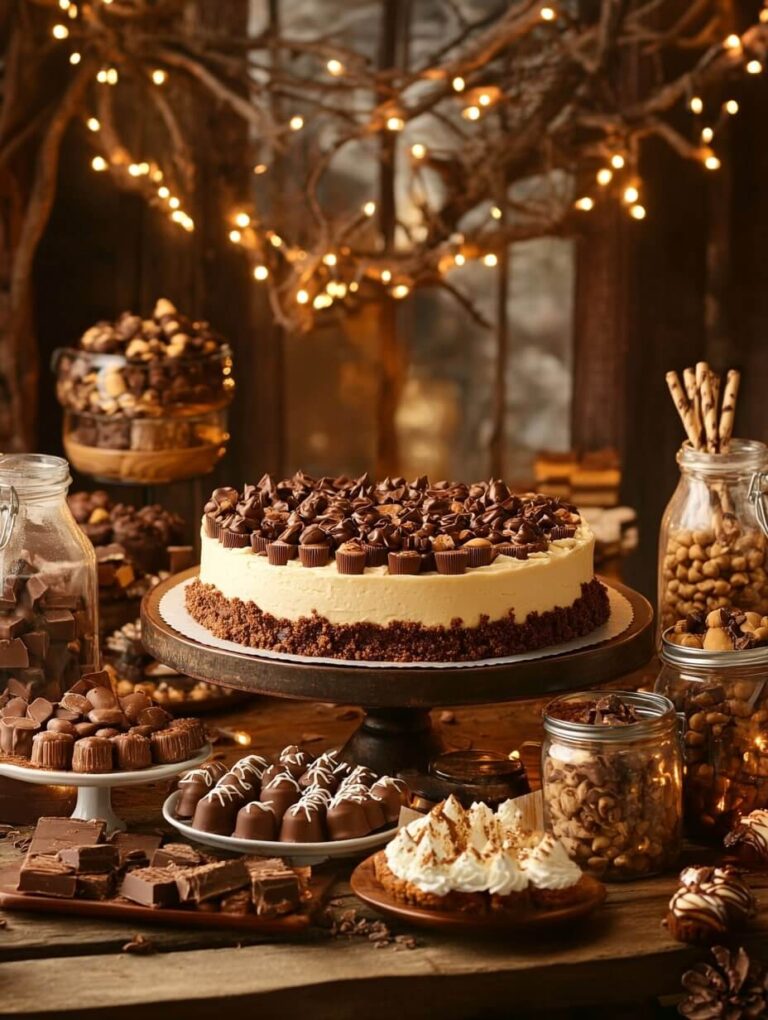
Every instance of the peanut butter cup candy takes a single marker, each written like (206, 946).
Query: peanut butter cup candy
(51, 750)
(406, 562)
(303, 822)
(278, 553)
(194, 728)
(346, 818)
(281, 793)
(350, 558)
(217, 811)
(259, 542)
(132, 752)
(314, 553)
(375, 555)
(479, 552)
(256, 821)
(451, 561)
(169, 746)
(92, 754)
(16, 734)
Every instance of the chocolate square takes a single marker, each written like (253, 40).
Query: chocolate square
(44, 875)
(90, 858)
(54, 834)
(151, 887)
(38, 642)
(12, 626)
(60, 624)
(211, 880)
(13, 654)
(96, 886)
(34, 591)
(135, 848)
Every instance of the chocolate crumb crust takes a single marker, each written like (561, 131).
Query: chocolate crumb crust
(318, 516)
(246, 624)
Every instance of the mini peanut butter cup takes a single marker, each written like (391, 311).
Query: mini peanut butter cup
(314, 555)
(259, 543)
(235, 540)
(451, 561)
(427, 563)
(407, 562)
(479, 551)
(559, 531)
(517, 552)
(211, 526)
(350, 561)
(375, 555)
(278, 553)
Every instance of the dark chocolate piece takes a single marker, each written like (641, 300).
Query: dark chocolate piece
(96, 886)
(211, 880)
(45, 875)
(13, 654)
(60, 624)
(151, 887)
(239, 902)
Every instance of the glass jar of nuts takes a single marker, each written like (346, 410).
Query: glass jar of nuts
(712, 545)
(612, 781)
(721, 697)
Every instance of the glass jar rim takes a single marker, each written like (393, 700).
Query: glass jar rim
(657, 713)
(34, 474)
(744, 455)
(684, 657)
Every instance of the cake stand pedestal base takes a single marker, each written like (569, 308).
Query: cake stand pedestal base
(96, 802)
(391, 739)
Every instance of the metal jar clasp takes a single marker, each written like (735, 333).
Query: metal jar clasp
(9, 508)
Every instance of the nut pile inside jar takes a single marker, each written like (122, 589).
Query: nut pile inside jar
(612, 782)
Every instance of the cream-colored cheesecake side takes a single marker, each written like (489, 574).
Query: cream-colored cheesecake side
(536, 585)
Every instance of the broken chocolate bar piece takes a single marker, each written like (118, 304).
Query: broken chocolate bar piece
(98, 857)
(38, 642)
(135, 848)
(181, 855)
(61, 600)
(237, 903)
(96, 886)
(13, 654)
(151, 887)
(44, 875)
(41, 710)
(54, 834)
(275, 888)
(11, 626)
(34, 591)
(211, 880)
(60, 624)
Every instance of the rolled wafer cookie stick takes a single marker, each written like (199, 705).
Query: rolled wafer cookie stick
(683, 409)
(689, 378)
(728, 411)
(709, 413)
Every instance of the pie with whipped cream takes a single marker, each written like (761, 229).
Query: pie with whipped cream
(477, 859)
(394, 571)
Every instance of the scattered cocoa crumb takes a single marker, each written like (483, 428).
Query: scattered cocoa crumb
(18, 840)
(352, 925)
(141, 945)
(311, 738)
(347, 715)
(448, 718)
(5, 830)
(3, 923)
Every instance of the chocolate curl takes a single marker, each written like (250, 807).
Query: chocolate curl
(694, 399)
(728, 411)
(709, 411)
(686, 416)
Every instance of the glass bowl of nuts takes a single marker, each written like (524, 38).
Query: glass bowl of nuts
(715, 672)
(612, 781)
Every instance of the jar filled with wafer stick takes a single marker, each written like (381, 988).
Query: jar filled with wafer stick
(713, 545)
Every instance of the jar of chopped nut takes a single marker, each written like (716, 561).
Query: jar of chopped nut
(612, 781)
(712, 544)
(720, 692)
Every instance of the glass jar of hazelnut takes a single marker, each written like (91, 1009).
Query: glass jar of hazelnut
(712, 544)
(721, 696)
(612, 781)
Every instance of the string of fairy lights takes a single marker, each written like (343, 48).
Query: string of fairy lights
(317, 280)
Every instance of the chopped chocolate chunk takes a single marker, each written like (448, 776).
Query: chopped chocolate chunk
(54, 834)
(96, 857)
(181, 855)
(44, 875)
(275, 888)
(211, 880)
(135, 848)
(151, 887)
(96, 886)
(60, 624)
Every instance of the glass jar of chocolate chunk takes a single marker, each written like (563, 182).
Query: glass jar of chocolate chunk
(48, 588)
(712, 544)
(612, 781)
(721, 698)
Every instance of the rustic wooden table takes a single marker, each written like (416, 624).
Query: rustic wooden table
(615, 965)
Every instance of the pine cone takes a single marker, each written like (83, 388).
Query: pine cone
(731, 989)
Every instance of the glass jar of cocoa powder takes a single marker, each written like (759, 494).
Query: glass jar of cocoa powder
(612, 781)
(712, 543)
(721, 698)
(48, 588)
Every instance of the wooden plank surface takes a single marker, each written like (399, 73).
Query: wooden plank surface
(622, 953)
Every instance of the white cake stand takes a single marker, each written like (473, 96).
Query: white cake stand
(94, 792)
(298, 854)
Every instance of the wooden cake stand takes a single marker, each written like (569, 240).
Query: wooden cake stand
(396, 732)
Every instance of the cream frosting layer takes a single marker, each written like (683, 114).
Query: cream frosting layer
(537, 585)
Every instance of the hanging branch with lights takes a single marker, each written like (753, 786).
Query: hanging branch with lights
(525, 95)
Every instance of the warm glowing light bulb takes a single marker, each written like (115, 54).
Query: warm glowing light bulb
(353, 287)
(458, 84)
(260, 168)
(763, 16)
(72, 11)
(617, 161)
(733, 42)
(495, 212)
(173, 202)
(395, 123)
(731, 106)
(260, 272)
(163, 192)
(134, 170)
(471, 112)
(75, 58)
(707, 134)
(329, 259)
(64, 4)
(98, 163)
(275, 240)
(547, 14)
(242, 219)
(159, 76)
(335, 68)
(637, 212)
(711, 162)
(754, 67)
(484, 99)
(386, 276)
(369, 208)
(302, 297)
(604, 176)
(93, 124)
(584, 204)
(696, 104)
(296, 123)
(418, 151)
(459, 259)
(401, 290)
(631, 194)
(59, 31)
(112, 76)
(235, 236)
(490, 259)
(157, 175)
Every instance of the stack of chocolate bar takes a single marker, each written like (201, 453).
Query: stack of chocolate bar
(92, 730)
(72, 859)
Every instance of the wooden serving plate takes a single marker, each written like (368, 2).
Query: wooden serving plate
(366, 886)
(123, 910)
